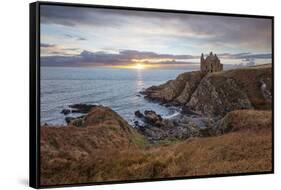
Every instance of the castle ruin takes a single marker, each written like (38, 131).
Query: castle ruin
(210, 64)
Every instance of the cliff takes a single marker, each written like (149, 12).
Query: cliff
(176, 91)
(216, 94)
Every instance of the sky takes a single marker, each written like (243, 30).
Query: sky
(80, 36)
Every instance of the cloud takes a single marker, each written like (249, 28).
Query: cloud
(257, 56)
(76, 16)
(54, 49)
(124, 57)
(121, 58)
(81, 39)
(203, 30)
(75, 37)
(249, 62)
(246, 55)
(71, 49)
(45, 45)
(134, 54)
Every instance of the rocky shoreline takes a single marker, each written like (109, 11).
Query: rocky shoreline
(150, 124)
(204, 101)
(180, 127)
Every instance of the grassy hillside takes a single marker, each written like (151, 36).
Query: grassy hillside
(99, 152)
(249, 80)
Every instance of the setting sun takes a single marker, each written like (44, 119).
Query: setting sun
(139, 66)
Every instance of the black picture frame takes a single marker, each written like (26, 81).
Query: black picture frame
(34, 93)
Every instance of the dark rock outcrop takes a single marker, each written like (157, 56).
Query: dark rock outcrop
(180, 127)
(65, 111)
(152, 118)
(187, 111)
(139, 114)
(81, 108)
(69, 119)
(78, 108)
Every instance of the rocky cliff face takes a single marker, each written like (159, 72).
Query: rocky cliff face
(216, 94)
(176, 91)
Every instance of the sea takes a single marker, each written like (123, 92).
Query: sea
(116, 88)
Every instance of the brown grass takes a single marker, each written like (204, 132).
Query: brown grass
(88, 157)
(248, 80)
(246, 120)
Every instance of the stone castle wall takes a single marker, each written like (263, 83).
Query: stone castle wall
(210, 64)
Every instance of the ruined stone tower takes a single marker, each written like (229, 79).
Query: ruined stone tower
(211, 63)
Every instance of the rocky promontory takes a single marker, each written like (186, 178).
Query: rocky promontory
(216, 94)
(176, 91)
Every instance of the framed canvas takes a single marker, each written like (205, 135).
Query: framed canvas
(122, 94)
